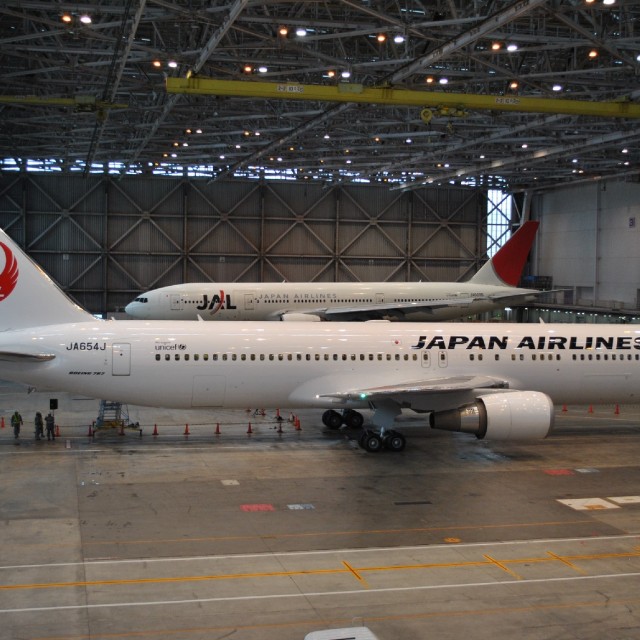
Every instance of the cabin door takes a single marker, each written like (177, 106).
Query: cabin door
(176, 301)
(121, 359)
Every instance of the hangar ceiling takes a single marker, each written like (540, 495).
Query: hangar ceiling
(90, 97)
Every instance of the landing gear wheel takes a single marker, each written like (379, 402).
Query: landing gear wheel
(394, 441)
(353, 419)
(332, 419)
(371, 442)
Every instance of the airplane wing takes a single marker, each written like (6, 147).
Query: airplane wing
(16, 356)
(450, 384)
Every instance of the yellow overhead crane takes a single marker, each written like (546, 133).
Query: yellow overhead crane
(448, 104)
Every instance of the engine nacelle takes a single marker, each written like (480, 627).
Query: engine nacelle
(300, 317)
(517, 415)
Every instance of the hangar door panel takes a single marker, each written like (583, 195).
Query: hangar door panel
(208, 391)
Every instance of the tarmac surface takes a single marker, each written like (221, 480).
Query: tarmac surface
(207, 530)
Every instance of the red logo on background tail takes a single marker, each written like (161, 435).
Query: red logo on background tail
(9, 275)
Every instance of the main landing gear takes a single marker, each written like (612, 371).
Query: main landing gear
(371, 441)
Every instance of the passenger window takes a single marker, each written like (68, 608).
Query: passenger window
(186, 356)
(243, 356)
(196, 356)
(167, 356)
(205, 356)
(262, 356)
(157, 356)
(177, 356)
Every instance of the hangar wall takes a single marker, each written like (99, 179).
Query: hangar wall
(104, 240)
(589, 242)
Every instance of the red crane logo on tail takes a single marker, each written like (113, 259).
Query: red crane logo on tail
(9, 275)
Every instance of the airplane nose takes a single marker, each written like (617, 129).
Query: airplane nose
(136, 310)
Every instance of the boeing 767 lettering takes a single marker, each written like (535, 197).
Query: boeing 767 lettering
(492, 380)
(493, 287)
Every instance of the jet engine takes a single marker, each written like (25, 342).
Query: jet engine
(517, 415)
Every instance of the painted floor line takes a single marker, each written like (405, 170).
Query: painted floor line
(321, 594)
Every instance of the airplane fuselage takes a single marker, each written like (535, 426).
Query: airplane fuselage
(249, 364)
(237, 301)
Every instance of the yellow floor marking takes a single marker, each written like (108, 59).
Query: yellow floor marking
(346, 568)
(566, 562)
(497, 563)
(356, 574)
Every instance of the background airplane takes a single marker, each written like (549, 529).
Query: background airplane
(491, 380)
(493, 287)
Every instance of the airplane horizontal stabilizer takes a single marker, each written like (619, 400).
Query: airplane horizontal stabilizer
(15, 356)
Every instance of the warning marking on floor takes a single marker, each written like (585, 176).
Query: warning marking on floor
(559, 472)
(626, 500)
(589, 504)
(257, 507)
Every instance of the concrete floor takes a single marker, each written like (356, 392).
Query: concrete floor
(271, 535)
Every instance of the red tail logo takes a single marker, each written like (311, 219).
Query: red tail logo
(9, 275)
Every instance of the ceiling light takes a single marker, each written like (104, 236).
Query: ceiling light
(625, 150)
(496, 46)
(157, 64)
(198, 130)
(346, 74)
(381, 37)
(262, 69)
(512, 47)
(173, 64)
(398, 39)
(331, 73)
(593, 53)
(444, 81)
(525, 145)
(301, 33)
(608, 2)
(66, 17)
(247, 68)
(429, 79)
(85, 18)
(513, 84)
(557, 87)
(283, 31)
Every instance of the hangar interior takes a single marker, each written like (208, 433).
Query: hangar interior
(127, 162)
(117, 184)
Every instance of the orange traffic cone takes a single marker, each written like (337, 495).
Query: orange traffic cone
(155, 430)
(186, 429)
(590, 408)
(617, 410)
(297, 424)
(217, 428)
(249, 430)
(564, 408)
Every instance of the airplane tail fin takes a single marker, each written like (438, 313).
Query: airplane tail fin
(28, 296)
(505, 268)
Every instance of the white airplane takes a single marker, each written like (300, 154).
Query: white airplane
(491, 380)
(493, 287)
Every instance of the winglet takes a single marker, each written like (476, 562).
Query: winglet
(505, 268)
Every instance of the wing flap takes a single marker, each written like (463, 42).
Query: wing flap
(451, 384)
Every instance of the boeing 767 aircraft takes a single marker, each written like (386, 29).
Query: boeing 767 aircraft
(490, 380)
(493, 287)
